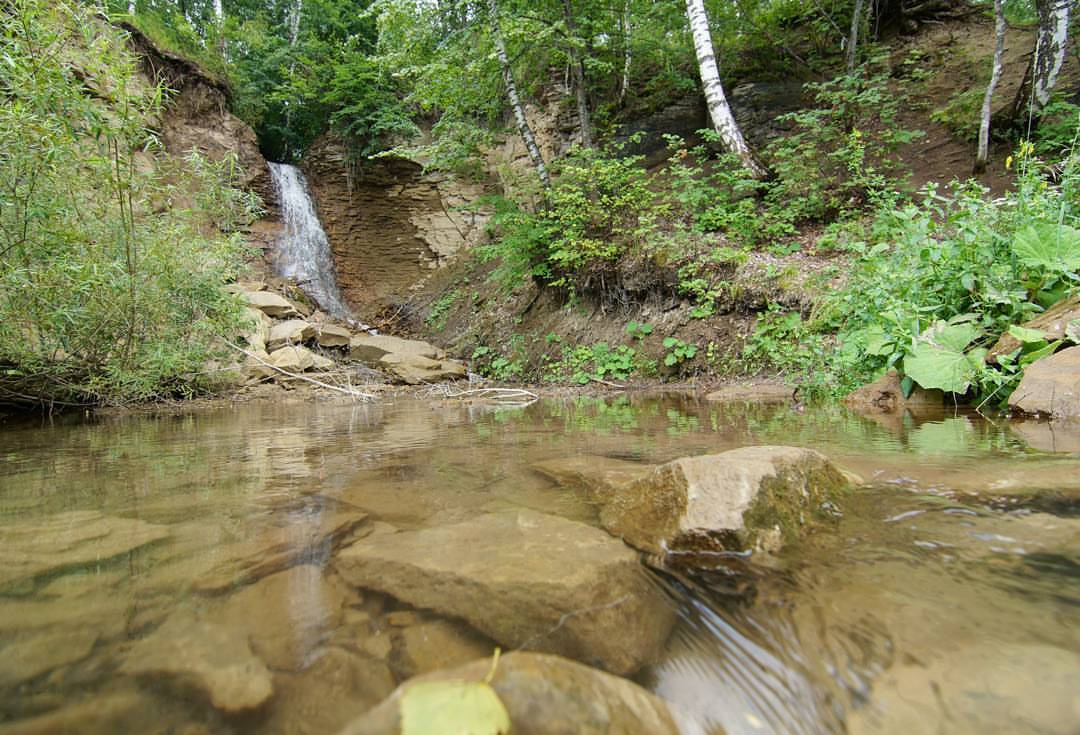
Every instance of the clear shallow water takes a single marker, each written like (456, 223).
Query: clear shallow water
(945, 599)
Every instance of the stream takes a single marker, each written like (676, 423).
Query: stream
(145, 560)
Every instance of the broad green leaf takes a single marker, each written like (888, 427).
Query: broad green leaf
(878, 343)
(956, 336)
(1034, 355)
(1026, 335)
(453, 708)
(977, 357)
(1072, 331)
(1054, 247)
(936, 367)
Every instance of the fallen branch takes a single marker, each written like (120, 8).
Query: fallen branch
(346, 391)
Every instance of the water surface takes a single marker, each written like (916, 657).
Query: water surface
(944, 599)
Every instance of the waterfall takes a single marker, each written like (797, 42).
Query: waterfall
(303, 252)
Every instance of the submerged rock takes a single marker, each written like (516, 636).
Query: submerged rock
(1051, 386)
(210, 658)
(435, 644)
(544, 695)
(286, 615)
(274, 548)
(743, 499)
(66, 540)
(526, 579)
(600, 478)
(28, 657)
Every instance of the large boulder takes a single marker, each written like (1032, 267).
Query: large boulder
(544, 695)
(754, 498)
(886, 395)
(212, 659)
(271, 304)
(332, 335)
(369, 349)
(294, 359)
(1051, 386)
(526, 579)
(290, 332)
(416, 369)
(1053, 323)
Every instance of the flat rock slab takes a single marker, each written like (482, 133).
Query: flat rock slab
(416, 369)
(600, 478)
(213, 659)
(1051, 386)
(30, 656)
(757, 393)
(295, 359)
(544, 695)
(754, 498)
(370, 349)
(271, 304)
(67, 540)
(526, 579)
(290, 332)
(331, 335)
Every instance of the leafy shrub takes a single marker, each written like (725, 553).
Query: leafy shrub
(937, 283)
(110, 287)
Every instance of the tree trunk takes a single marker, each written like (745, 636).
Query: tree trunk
(624, 21)
(851, 53)
(719, 110)
(515, 101)
(577, 68)
(983, 153)
(1051, 45)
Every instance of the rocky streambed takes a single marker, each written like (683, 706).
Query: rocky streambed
(651, 565)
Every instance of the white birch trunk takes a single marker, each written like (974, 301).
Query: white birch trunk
(983, 153)
(219, 11)
(853, 37)
(1050, 52)
(294, 22)
(719, 110)
(624, 87)
(131, 7)
(515, 101)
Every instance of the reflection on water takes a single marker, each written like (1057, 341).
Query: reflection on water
(178, 573)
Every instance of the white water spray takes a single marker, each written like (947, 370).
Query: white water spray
(303, 252)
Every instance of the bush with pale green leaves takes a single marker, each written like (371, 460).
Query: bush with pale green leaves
(110, 283)
(934, 286)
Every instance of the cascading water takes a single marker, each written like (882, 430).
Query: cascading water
(303, 252)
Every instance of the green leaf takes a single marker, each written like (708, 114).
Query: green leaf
(1045, 351)
(936, 367)
(670, 342)
(670, 360)
(956, 337)
(453, 708)
(878, 343)
(1026, 335)
(1053, 247)
(1072, 331)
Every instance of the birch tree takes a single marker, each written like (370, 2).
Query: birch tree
(851, 52)
(983, 153)
(719, 111)
(515, 100)
(1051, 45)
